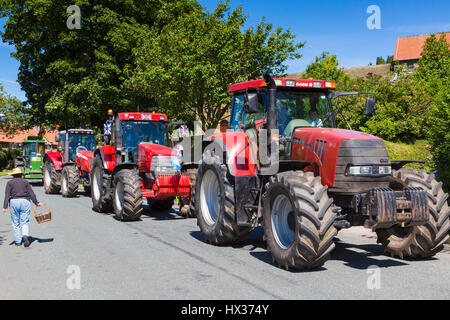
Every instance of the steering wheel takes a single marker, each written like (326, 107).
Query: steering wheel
(81, 148)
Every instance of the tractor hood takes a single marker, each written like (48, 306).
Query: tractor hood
(330, 152)
(151, 150)
(333, 135)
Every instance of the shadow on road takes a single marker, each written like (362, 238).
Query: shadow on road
(160, 215)
(39, 240)
(362, 259)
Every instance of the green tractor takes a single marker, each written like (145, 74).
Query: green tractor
(30, 161)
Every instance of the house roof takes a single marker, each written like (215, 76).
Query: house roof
(20, 136)
(410, 48)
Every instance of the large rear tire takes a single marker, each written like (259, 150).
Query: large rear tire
(100, 194)
(215, 204)
(127, 199)
(418, 241)
(298, 220)
(70, 179)
(52, 178)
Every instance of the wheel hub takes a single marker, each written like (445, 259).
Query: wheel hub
(283, 221)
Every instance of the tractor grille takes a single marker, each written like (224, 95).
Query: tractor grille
(360, 152)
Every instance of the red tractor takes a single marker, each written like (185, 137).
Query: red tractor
(135, 163)
(68, 167)
(310, 179)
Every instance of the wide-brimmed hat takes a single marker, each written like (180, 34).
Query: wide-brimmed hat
(16, 172)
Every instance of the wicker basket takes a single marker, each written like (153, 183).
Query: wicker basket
(44, 216)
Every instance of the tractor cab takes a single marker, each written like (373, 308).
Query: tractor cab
(33, 148)
(300, 103)
(72, 141)
(129, 130)
(31, 159)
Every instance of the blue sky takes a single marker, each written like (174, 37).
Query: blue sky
(338, 27)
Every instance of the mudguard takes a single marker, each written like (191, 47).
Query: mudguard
(239, 158)
(55, 158)
(84, 160)
(108, 156)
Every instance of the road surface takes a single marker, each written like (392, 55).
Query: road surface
(82, 254)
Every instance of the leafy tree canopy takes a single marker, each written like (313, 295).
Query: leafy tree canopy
(73, 76)
(188, 66)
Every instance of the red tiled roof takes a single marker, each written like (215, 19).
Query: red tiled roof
(20, 136)
(410, 48)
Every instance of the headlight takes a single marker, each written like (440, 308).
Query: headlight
(165, 165)
(369, 170)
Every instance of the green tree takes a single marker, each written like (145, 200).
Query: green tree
(380, 60)
(433, 74)
(12, 114)
(74, 76)
(326, 67)
(188, 66)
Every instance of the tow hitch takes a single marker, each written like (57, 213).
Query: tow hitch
(385, 207)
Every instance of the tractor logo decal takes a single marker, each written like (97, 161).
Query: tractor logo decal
(319, 149)
(107, 128)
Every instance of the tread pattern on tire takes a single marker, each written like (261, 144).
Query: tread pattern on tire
(104, 205)
(73, 181)
(55, 179)
(132, 197)
(225, 231)
(315, 231)
(426, 240)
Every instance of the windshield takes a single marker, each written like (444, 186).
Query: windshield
(136, 132)
(80, 142)
(33, 148)
(295, 109)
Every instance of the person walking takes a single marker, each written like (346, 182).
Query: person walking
(18, 194)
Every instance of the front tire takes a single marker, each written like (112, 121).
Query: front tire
(418, 241)
(100, 194)
(51, 178)
(298, 220)
(70, 180)
(127, 199)
(215, 204)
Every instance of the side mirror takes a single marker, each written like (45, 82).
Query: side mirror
(370, 107)
(251, 103)
(57, 138)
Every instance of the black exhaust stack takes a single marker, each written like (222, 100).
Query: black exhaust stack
(272, 112)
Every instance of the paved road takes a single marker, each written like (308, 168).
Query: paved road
(163, 257)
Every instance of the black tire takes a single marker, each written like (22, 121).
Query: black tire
(419, 241)
(100, 188)
(127, 195)
(222, 229)
(163, 205)
(51, 179)
(298, 220)
(70, 179)
(187, 206)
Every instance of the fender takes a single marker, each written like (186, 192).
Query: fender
(108, 156)
(55, 158)
(236, 148)
(242, 165)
